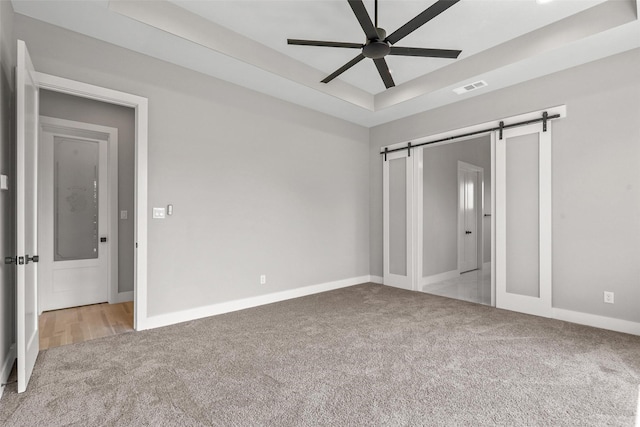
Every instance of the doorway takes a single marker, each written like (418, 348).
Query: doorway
(86, 207)
(456, 220)
(77, 210)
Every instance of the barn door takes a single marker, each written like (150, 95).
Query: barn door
(523, 220)
(397, 172)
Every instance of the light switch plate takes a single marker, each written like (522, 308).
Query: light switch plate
(158, 213)
(4, 182)
(124, 214)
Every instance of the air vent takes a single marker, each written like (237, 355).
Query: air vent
(470, 87)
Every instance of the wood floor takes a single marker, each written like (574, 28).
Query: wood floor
(78, 324)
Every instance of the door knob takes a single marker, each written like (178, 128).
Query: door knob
(34, 258)
(11, 260)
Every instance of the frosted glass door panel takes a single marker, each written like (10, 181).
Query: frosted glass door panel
(522, 215)
(75, 199)
(398, 216)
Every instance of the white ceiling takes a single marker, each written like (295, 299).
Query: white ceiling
(470, 26)
(503, 42)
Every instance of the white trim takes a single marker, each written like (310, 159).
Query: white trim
(597, 321)
(122, 297)
(7, 366)
(418, 216)
(493, 219)
(440, 277)
(241, 304)
(376, 279)
(560, 109)
(140, 105)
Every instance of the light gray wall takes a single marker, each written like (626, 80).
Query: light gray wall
(440, 201)
(62, 106)
(596, 176)
(259, 186)
(7, 198)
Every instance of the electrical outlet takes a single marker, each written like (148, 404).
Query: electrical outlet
(263, 279)
(608, 297)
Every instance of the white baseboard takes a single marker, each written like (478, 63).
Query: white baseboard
(439, 277)
(597, 321)
(7, 365)
(227, 307)
(123, 297)
(376, 279)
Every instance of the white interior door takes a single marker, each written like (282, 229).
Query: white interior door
(27, 339)
(397, 173)
(469, 200)
(523, 220)
(78, 203)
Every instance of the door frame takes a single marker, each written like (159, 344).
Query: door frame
(479, 200)
(71, 128)
(140, 106)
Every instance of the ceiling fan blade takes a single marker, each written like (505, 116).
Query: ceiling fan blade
(427, 53)
(364, 19)
(323, 43)
(431, 12)
(344, 68)
(383, 69)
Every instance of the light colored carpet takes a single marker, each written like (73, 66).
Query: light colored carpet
(364, 355)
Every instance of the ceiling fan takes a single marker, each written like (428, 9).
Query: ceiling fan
(379, 45)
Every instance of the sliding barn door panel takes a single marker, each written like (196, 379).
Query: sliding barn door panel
(523, 220)
(522, 215)
(398, 217)
(397, 172)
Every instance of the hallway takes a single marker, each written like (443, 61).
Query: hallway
(473, 286)
(79, 324)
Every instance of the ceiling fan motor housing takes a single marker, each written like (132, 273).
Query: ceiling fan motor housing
(377, 48)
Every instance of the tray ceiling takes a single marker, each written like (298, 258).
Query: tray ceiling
(503, 42)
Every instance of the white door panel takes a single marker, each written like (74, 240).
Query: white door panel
(470, 207)
(397, 174)
(78, 163)
(27, 339)
(523, 220)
